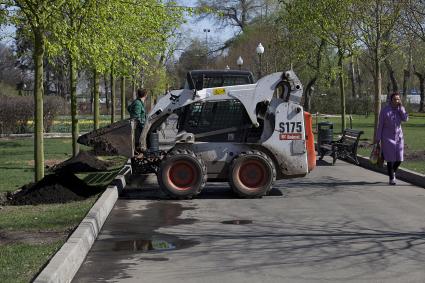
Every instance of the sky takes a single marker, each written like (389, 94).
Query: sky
(6, 35)
(196, 28)
(193, 27)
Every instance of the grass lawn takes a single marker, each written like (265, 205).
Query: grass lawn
(32, 234)
(414, 135)
(17, 161)
(19, 262)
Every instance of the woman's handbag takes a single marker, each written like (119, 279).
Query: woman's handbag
(375, 154)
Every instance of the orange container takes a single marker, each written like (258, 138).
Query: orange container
(309, 136)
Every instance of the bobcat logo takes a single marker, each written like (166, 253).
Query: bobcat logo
(174, 98)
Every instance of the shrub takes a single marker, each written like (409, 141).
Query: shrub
(331, 104)
(17, 111)
(53, 106)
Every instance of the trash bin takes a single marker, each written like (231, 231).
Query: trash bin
(325, 133)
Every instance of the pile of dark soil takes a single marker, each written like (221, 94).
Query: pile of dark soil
(414, 155)
(365, 144)
(62, 185)
(55, 188)
(85, 161)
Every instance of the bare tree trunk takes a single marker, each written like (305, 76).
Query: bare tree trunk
(123, 100)
(352, 78)
(105, 81)
(133, 89)
(96, 99)
(312, 82)
(341, 88)
(112, 95)
(406, 75)
(74, 121)
(391, 74)
(91, 101)
(358, 78)
(421, 78)
(309, 94)
(388, 90)
(406, 79)
(47, 80)
(378, 91)
(38, 104)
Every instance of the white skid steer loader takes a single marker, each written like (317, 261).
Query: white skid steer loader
(248, 135)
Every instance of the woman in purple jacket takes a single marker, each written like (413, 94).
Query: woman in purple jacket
(390, 134)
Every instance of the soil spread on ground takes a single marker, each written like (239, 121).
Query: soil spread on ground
(84, 161)
(414, 155)
(31, 237)
(62, 185)
(409, 155)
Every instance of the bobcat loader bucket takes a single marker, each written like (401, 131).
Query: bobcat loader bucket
(115, 139)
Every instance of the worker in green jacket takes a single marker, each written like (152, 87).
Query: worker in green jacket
(137, 111)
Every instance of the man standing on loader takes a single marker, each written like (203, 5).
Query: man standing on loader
(137, 111)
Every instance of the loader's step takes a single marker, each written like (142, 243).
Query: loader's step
(96, 179)
(104, 178)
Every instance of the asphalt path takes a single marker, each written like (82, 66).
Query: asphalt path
(341, 223)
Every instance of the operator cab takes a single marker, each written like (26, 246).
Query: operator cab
(218, 121)
(200, 79)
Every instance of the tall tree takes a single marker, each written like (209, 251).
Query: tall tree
(333, 22)
(236, 13)
(304, 48)
(39, 17)
(376, 22)
(415, 22)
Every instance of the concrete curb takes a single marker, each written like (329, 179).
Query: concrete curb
(66, 262)
(402, 173)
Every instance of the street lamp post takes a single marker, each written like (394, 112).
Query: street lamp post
(206, 30)
(260, 51)
(239, 62)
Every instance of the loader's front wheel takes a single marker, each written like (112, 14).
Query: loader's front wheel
(252, 174)
(182, 174)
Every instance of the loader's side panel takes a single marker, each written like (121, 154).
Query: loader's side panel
(288, 140)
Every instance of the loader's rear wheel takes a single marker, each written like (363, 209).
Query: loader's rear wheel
(252, 174)
(182, 174)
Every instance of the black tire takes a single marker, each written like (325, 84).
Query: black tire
(252, 174)
(182, 175)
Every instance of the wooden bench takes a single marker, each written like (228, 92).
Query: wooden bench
(345, 147)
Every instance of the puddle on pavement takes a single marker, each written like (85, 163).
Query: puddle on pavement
(144, 245)
(154, 258)
(168, 243)
(237, 222)
(132, 231)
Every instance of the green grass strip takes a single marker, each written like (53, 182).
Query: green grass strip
(21, 262)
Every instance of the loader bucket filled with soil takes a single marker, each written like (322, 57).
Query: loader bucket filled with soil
(114, 139)
(77, 178)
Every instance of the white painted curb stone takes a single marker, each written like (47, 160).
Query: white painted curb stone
(66, 262)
